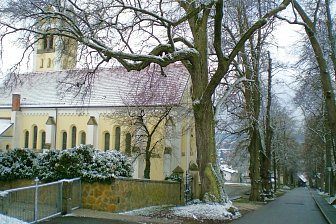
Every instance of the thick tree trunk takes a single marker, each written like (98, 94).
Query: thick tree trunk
(275, 173)
(211, 180)
(254, 150)
(266, 172)
(206, 152)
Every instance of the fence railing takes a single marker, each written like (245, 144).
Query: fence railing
(76, 193)
(42, 201)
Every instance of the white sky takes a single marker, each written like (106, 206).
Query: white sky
(286, 51)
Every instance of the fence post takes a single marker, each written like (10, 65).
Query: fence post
(4, 202)
(178, 173)
(36, 200)
(67, 197)
(196, 183)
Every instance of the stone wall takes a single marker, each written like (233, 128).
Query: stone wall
(126, 194)
(6, 185)
(120, 195)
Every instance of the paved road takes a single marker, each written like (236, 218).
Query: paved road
(295, 207)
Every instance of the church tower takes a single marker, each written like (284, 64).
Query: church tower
(55, 53)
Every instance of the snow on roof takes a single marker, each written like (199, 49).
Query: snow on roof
(303, 178)
(106, 87)
(4, 125)
(225, 168)
(6, 219)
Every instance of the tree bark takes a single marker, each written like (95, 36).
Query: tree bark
(266, 172)
(254, 150)
(211, 188)
(147, 158)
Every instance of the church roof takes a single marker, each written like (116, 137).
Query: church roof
(107, 87)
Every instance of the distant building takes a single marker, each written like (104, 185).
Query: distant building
(230, 174)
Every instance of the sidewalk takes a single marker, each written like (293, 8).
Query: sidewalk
(327, 210)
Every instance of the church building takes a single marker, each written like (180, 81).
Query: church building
(58, 106)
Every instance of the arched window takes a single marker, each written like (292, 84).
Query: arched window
(73, 136)
(45, 43)
(35, 137)
(48, 42)
(41, 63)
(64, 140)
(43, 139)
(107, 141)
(26, 141)
(7, 147)
(128, 142)
(51, 42)
(117, 139)
(83, 138)
(49, 63)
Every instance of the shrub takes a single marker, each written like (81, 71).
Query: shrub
(17, 164)
(83, 161)
(106, 165)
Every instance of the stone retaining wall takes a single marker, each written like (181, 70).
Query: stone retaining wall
(121, 194)
(6, 185)
(126, 194)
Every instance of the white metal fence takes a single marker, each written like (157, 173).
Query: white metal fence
(39, 202)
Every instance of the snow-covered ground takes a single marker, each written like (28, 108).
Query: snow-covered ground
(196, 211)
(9, 220)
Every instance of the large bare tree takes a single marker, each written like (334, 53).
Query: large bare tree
(137, 34)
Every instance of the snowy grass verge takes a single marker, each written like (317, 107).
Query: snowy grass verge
(196, 211)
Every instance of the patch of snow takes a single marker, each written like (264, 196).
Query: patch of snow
(195, 210)
(6, 220)
(3, 193)
(331, 200)
(286, 187)
(207, 211)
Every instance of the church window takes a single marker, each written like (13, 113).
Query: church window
(41, 63)
(49, 63)
(64, 140)
(48, 42)
(35, 137)
(83, 138)
(26, 140)
(43, 139)
(128, 144)
(7, 147)
(117, 139)
(73, 136)
(106, 141)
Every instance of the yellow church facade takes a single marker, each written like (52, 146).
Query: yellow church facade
(59, 107)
